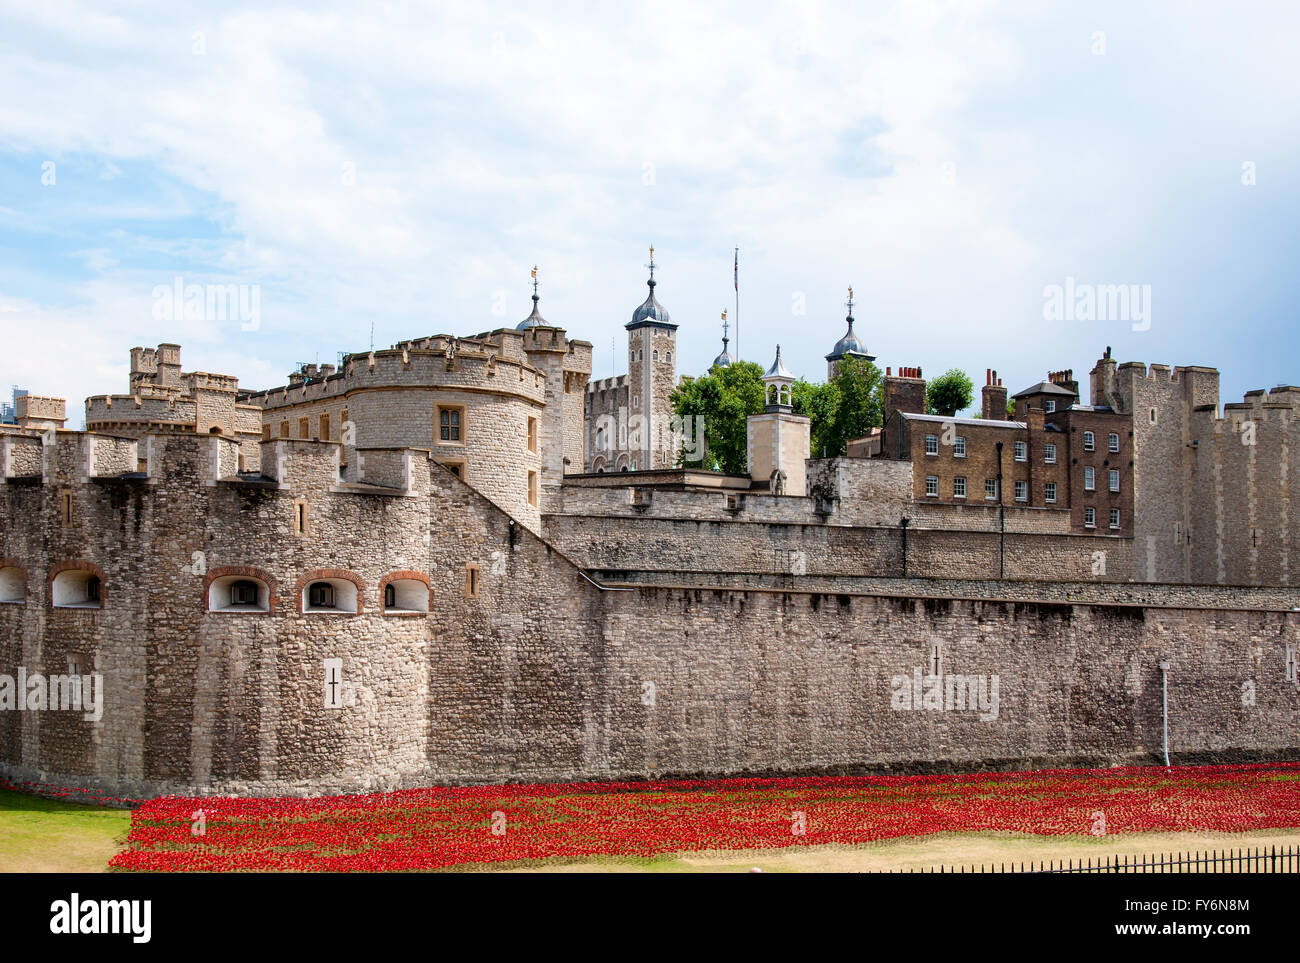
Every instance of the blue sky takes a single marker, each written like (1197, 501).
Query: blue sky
(406, 165)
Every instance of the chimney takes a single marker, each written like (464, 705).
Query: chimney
(1066, 380)
(1103, 387)
(904, 391)
(994, 407)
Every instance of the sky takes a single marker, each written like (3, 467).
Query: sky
(401, 167)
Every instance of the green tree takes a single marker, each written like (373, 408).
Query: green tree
(820, 403)
(857, 406)
(721, 401)
(951, 392)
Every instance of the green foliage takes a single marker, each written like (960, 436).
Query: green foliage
(951, 392)
(846, 407)
(858, 406)
(722, 400)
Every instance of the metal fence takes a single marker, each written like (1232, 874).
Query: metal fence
(1270, 859)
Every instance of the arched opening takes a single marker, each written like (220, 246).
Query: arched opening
(330, 596)
(405, 595)
(239, 593)
(13, 585)
(76, 588)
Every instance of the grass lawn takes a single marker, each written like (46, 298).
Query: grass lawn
(46, 836)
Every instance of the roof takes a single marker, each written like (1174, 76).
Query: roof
(534, 320)
(651, 311)
(941, 419)
(778, 369)
(723, 360)
(848, 345)
(1044, 388)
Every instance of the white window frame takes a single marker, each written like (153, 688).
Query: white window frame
(959, 448)
(1049, 407)
(990, 489)
(1022, 487)
(1114, 518)
(1113, 479)
(1112, 442)
(959, 487)
(1022, 451)
(1089, 479)
(1049, 454)
(1049, 492)
(1089, 441)
(1090, 518)
(932, 444)
(931, 486)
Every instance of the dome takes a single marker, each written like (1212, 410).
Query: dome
(723, 360)
(847, 345)
(651, 309)
(534, 320)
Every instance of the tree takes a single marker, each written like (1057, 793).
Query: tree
(858, 405)
(820, 403)
(721, 401)
(949, 393)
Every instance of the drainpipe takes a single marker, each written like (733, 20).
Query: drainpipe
(903, 523)
(1164, 685)
(1002, 521)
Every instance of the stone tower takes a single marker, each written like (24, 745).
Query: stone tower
(652, 374)
(778, 440)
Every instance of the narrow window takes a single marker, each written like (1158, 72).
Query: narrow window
(959, 448)
(1090, 518)
(324, 427)
(266, 432)
(1049, 454)
(1089, 479)
(959, 487)
(1089, 441)
(1050, 493)
(1114, 518)
(304, 428)
(471, 581)
(92, 588)
(1153, 416)
(1022, 451)
(1022, 491)
(1112, 442)
(990, 488)
(532, 434)
(390, 595)
(936, 659)
(654, 355)
(65, 508)
(299, 517)
(532, 488)
(1292, 669)
(284, 429)
(1114, 479)
(932, 444)
(931, 486)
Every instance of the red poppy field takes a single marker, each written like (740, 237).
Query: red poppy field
(427, 829)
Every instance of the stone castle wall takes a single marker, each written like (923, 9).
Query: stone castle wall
(544, 674)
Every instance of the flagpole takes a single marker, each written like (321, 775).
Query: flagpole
(737, 284)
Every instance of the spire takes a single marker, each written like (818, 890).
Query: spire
(651, 311)
(777, 385)
(723, 360)
(535, 319)
(849, 345)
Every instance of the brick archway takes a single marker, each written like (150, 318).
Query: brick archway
(246, 571)
(319, 574)
(399, 576)
(76, 565)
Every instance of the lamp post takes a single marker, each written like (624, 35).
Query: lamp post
(1164, 698)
